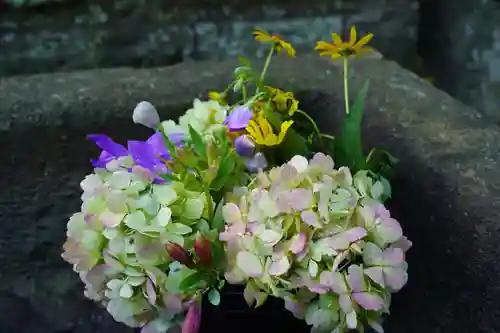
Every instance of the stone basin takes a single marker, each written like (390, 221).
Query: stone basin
(446, 190)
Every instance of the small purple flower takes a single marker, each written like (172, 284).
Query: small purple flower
(110, 150)
(239, 118)
(256, 163)
(244, 146)
(152, 153)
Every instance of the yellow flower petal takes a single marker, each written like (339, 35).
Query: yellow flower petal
(265, 127)
(284, 128)
(352, 40)
(336, 39)
(289, 49)
(255, 132)
(363, 41)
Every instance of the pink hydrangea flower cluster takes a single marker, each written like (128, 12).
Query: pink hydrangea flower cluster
(319, 238)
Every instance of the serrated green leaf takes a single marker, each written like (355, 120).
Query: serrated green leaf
(198, 143)
(214, 297)
(348, 144)
(192, 281)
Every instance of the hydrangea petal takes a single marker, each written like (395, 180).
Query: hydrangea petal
(393, 256)
(333, 280)
(110, 219)
(369, 301)
(355, 278)
(345, 303)
(376, 274)
(270, 237)
(310, 218)
(395, 277)
(372, 254)
(389, 230)
(300, 163)
(250, 264)
(351, 320)
(344, 239)
(279, 267)
(298, 243)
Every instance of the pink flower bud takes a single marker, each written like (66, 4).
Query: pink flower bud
(193, 319)
(177, 253)
(203, 249)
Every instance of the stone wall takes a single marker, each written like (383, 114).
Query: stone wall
(110, 33)
(446, 193)
(460, 41)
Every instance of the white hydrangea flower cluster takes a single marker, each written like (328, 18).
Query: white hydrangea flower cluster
(205, 117)
(117, 244)
(320, 239)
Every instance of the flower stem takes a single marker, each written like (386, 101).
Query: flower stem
(313, 123)
(346, 88)
(244, 93)
(264, 70)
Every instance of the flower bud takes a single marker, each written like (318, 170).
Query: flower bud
(203, 249)
(192, 320)
(256, 163)
(145, 114)
(177, 253)
(244, 146)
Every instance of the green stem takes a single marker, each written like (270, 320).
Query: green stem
(244, 93)
(264, 70)
(313, 123)
(346, 88)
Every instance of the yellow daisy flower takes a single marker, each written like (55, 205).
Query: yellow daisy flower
(261, 132)
(339, 48)
(264, 37)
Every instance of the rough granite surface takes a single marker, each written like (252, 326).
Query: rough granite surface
(447, 189)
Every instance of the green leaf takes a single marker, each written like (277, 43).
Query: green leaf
(225, 171)
(348, 144)
(214, 297)
(192, 281)
(198, 143)
(218, 254)
(244, 61)
(218, 219)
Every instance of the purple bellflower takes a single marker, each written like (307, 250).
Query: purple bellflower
(239, 118)
(149, 154)
(110, 150)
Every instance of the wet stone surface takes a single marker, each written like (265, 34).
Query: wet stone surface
(447, 189)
